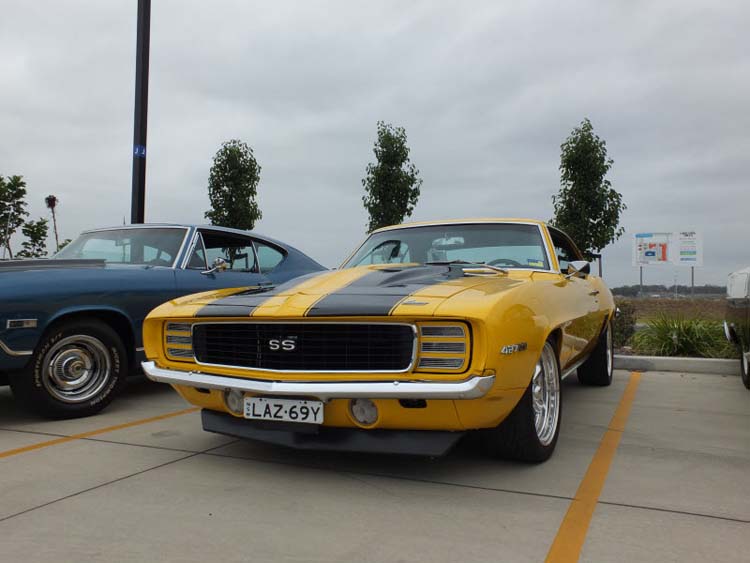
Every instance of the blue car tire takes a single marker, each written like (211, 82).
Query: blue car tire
(77, 369)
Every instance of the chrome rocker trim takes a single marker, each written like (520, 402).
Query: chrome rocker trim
(11, 352)
(471, 388)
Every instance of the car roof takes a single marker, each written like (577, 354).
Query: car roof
(462, 221)
(188, 226)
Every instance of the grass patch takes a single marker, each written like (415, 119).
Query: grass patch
(679, 336)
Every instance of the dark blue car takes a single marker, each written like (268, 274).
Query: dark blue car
(70, 326)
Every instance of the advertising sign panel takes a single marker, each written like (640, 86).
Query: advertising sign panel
(683, 248)
(689, 251)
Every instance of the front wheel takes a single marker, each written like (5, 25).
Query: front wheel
(744, 369)
(77, 369)
(530, 432)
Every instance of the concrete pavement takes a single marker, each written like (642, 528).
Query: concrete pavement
(677, 489)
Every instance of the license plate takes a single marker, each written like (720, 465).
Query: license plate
(287, 410)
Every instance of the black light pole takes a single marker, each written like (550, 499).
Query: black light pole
(137, 204)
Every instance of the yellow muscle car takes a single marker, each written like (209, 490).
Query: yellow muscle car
(426, 332)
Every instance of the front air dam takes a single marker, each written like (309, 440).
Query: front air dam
(432, 443)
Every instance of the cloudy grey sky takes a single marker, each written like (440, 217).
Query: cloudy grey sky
(487, 91)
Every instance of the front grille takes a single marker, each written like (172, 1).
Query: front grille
(446, 347)
(180, 352)
(441, 363)
(322, 347)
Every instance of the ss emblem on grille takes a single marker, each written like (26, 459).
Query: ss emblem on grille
(287, 345)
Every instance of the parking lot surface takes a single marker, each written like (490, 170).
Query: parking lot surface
(654, 468)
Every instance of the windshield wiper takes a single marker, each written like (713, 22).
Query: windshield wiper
(476, 265)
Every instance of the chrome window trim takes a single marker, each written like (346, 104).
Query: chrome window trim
(415, 340)
(539, 227)
(5, 348)
(197, 236)
(470, 388)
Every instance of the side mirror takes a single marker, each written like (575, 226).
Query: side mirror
(219, 265)
(578, 268)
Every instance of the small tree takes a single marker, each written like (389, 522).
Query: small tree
(587, 208)
(392, 183)
(51, 202)
(232, 187)
(12, 209)
(63, 244)
(35, 245)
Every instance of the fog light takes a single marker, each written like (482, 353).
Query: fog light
(234, 400)
(364, 411)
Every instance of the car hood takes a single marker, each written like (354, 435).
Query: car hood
(414, 290)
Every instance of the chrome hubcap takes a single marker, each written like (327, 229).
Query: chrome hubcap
(610, 353)
(545, 394)
(76, 368)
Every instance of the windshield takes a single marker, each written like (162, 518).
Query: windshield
(146, 246)
(509, 245)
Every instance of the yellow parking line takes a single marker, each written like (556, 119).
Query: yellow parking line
(40, 445)
(574, 527)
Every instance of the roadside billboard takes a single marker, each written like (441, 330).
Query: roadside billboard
(681, 248)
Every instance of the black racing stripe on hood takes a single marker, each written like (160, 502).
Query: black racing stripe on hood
(240, 304)
(378, 292)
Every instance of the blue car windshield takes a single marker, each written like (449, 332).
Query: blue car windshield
(507, 245)
(140, 246)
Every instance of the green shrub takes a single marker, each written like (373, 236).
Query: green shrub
(624, 325)
(676, 336)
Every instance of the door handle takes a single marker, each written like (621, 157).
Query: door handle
(595, 292)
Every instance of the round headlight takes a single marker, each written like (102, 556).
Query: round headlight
(234, 400)
(364, 411)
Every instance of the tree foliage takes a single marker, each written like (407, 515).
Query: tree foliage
(587, 208)
(35, 245)
(233, 187)
(12, 208)
(392, 183)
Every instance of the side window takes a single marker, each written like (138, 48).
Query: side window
(268, 256)
(198, 256)
(387, 252)
(563, 250)
(236, 251)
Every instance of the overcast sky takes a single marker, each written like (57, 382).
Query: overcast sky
(487, 92)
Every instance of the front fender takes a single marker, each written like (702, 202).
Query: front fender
(18, 345)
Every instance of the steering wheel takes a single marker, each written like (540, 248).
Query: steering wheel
(506, 262)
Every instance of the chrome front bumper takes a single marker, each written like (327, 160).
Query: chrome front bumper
(471, 388)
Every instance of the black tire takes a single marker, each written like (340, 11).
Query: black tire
(744, 369)
(517, 436)
(597, 370)
(76, 370)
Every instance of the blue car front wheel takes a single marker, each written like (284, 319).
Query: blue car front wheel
(76, 370)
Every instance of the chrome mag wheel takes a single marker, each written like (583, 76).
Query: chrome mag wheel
(545, 394)
(610, 351)
(76, 368)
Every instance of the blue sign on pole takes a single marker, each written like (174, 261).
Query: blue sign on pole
(139, 151)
